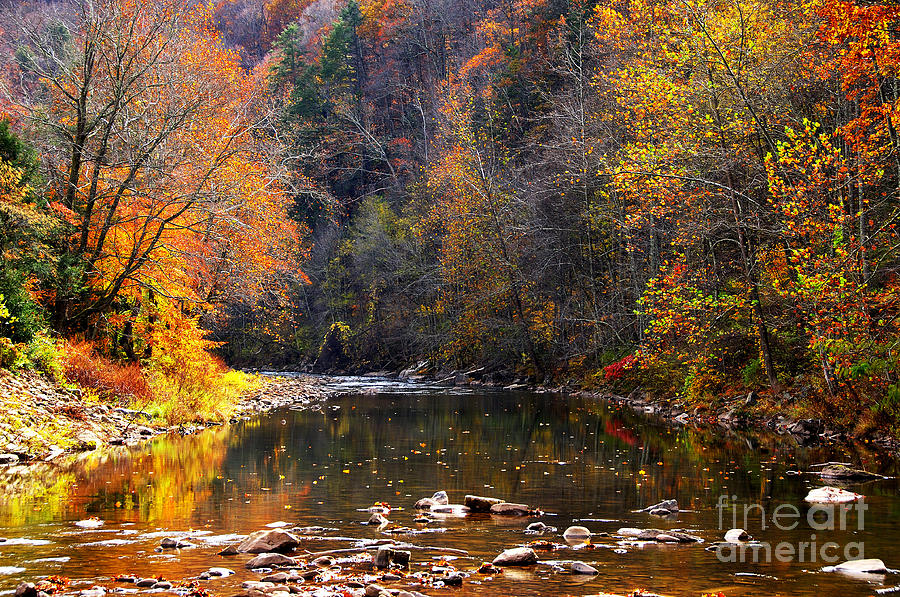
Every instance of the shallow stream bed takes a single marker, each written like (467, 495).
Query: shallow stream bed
(580, 461)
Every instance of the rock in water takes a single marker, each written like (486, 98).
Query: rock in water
(518, 556)
(267, 560)
(377, 519)
(737, 536)
(832, 495)
(425, 504)
(267, 541)
(175, 543)
(440, 497)
(576, 533)
(477, 503)
(870, 566)
(582, 568)
(508, 509)
(90, 523)
(845, 473)
(26, 589)
(220, 572)
(663, 508)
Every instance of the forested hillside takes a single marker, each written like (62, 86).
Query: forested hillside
(695, 197)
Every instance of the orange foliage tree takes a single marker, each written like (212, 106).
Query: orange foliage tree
(151, 133)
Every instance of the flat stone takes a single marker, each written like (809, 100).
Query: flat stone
(871, 566)
(582, 568)
(518, 556)
(146, 582)
(220, 572)
(509, 509)
(831, 495)
(267, 560)
(477, 503)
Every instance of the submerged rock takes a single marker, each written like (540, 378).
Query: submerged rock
(845, 473)
(477, 503)
(831, 495)
(267, 541)
(658, 535)
(268, 560)
(518, 556)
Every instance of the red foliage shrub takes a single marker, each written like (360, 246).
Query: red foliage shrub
(89, 370)
(616, 370)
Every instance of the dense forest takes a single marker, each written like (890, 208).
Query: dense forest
(695, 197)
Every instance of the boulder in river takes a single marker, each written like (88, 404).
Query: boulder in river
(267, 541)
(737, 536)
(510, 509)
(577, 533)
(477, 503)
(517, 556)
(268, 560)
(26, 589)
(832, 495)
(440, 498)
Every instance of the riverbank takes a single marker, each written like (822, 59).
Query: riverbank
(41, 419)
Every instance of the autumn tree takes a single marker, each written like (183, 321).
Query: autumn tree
(148, 132)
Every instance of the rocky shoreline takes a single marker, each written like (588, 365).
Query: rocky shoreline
(41, 420)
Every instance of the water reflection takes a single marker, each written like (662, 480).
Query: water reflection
(577, 459)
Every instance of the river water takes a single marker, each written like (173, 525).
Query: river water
(581, 461)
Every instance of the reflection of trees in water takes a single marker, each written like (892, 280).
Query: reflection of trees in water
(159, 482)
(460, 444)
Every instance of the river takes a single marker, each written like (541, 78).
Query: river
(581, 461)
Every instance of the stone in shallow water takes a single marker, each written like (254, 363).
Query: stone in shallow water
(509, 509)
(175, 543)
(576, 533)
(871, 566)
(832, 495)
(477, 503)
(518, 556)
(582, 568)
(267, 560)
(265, 541)
(737, 536)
